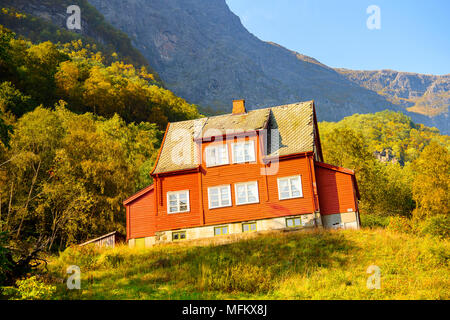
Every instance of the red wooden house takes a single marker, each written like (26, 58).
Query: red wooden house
(242, 172)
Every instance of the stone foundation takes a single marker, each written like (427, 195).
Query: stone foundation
(347, 220)
(312, 220)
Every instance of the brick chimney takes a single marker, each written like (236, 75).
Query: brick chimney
(239, 106)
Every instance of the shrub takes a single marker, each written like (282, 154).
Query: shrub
(400, 224)
(85, 257)
(33, 289)
(373, 221)
(438, 226)
(111, 259)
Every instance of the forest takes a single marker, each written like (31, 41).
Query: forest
(80, 133)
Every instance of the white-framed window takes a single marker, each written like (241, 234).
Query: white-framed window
(246, 192)
(216, 155)
(243, 151)
(290, 187)
(219, 196)
(178, 201)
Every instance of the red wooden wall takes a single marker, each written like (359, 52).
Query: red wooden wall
(336, 191)
(141, 216)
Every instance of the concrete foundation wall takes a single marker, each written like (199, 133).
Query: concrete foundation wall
(348, 220)
(308, 221)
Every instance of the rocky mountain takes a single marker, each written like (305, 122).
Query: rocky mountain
(204, 54)
(425, 94)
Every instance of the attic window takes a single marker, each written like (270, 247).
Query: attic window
(216, 155)
(243, 152)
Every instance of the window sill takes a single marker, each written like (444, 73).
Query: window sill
(246, 162)
(217, 165)
(300, 197)
(212, 208)
(243, 204)
(178, 212)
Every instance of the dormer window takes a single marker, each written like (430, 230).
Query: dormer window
(216, 155)
(243, 152)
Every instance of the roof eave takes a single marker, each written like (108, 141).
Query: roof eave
(138, 194)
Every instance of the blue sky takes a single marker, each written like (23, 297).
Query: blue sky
(414, 35)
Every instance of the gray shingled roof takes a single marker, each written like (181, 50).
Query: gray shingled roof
(290, 130)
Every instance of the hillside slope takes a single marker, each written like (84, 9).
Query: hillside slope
(205, 55)
(294, 265)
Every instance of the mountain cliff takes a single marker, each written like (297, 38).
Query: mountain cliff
(204, 54)
(425, 94)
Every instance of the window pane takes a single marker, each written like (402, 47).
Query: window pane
(223, 155)
(295, 187)
(214, 197)
(249, 152)
(296, 194)
(284, 195)
(290, 223)
(245, 227)
(241, 194)
(173, 209)
(173, 203)
(246, 153)
(216, 231)
(224, 230)
(210, 156)
(253, 226)
(238, 153)
(214, 203)
(252, 191)
(297, 221)
(183, 196)
(172, 197)
(224, 192)
(284, 186)
(182, 235)
(175, 236)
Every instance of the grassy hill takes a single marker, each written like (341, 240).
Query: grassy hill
(294, 265)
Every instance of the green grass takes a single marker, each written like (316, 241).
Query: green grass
(295, 265)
